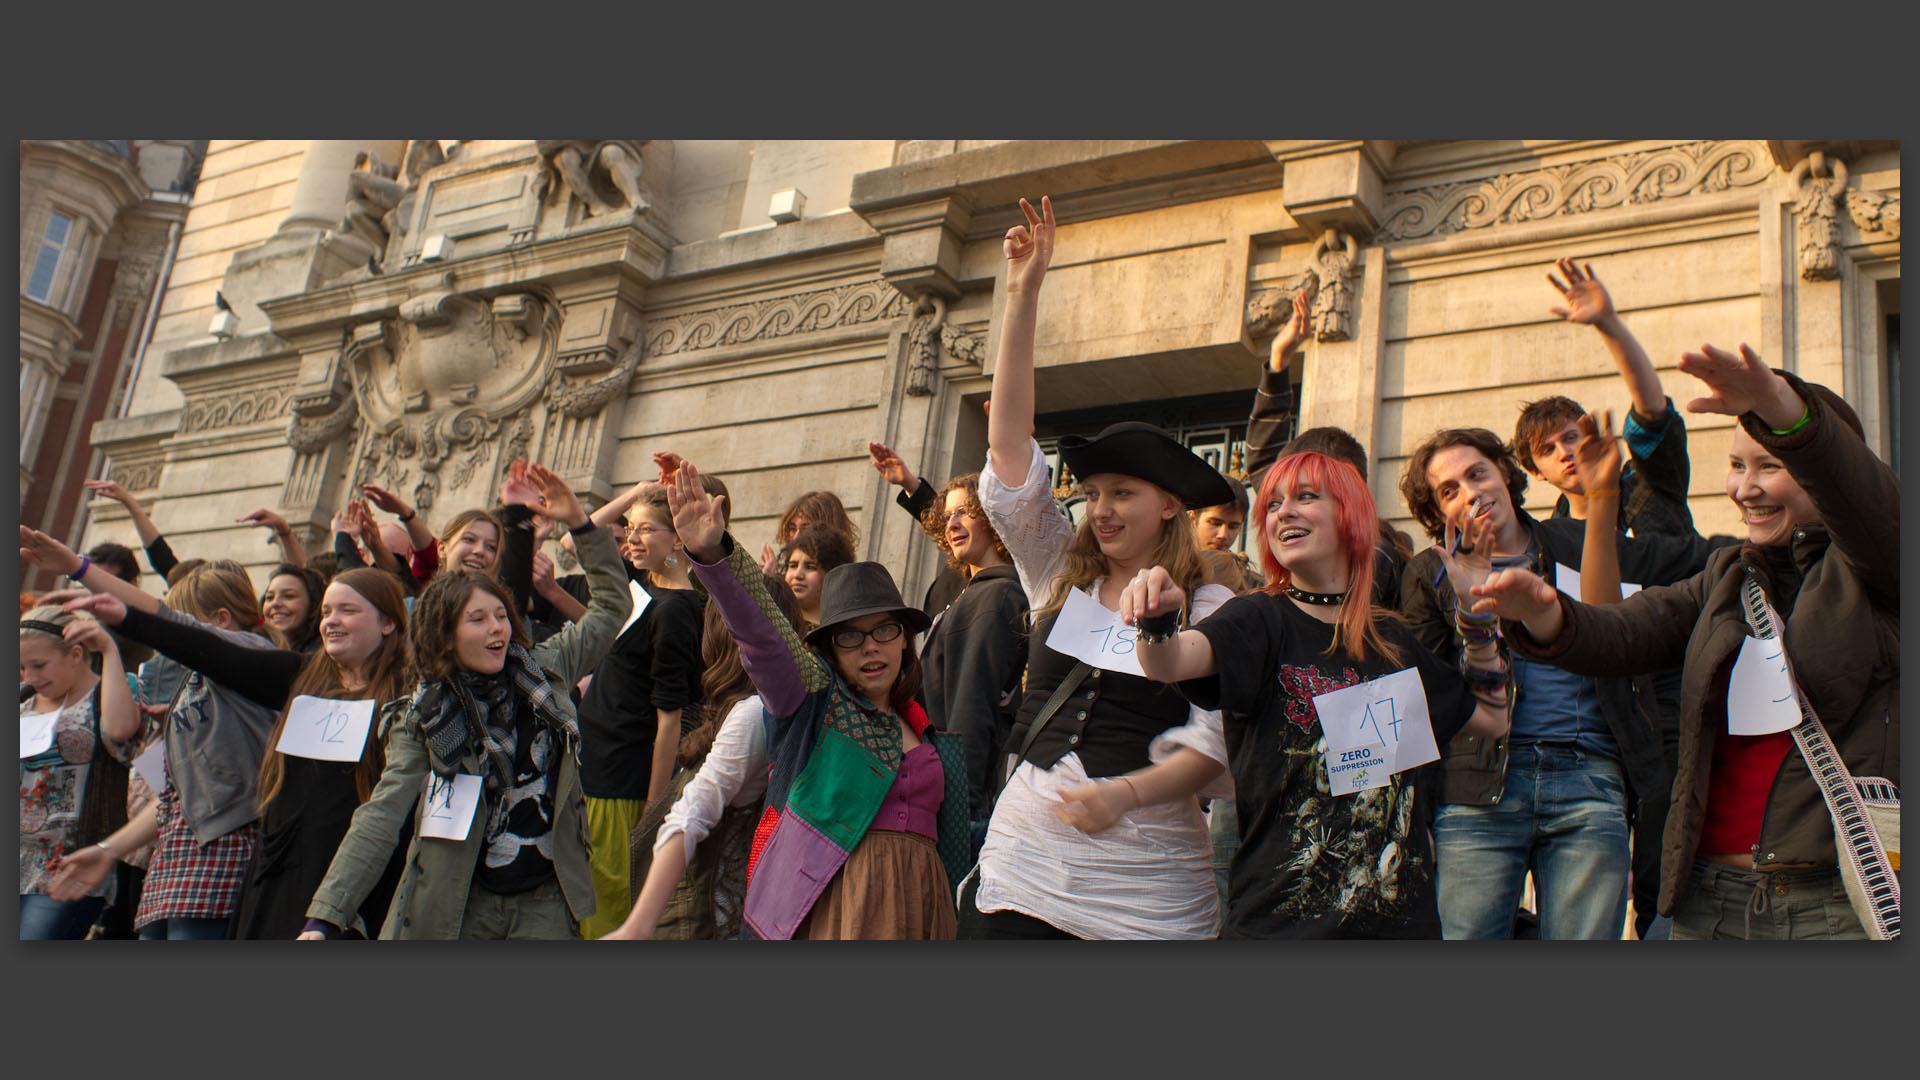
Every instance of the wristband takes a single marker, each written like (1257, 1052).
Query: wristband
(1806, 417)
(409, 515)
(583, 528)
(1157, 629)
(85, 564)
(104, 846)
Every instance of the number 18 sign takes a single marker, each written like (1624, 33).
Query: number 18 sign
(326, 728)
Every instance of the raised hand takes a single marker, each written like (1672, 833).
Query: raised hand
(1596, 457)
(59, 597)
(266, 518)
(344, 521)
(385, 500)
(891, 468)
(1742, 384)
(557, 499)
(109, 490)
(1587, 299)
(1095, 807)
(517, 489)
(698, 517)
(1468, 554)
(766, 557)
(1151, 592)
(542, 569)
(1290, 336)
(47, 553)
(1517, 596)
(668, 463)
(362, 515)
(1029, 247)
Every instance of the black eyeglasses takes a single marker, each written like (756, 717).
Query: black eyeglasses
(853, 639)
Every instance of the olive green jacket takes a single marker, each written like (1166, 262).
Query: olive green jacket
(431, 899)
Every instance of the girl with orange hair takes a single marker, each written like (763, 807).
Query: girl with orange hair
(1313, 863)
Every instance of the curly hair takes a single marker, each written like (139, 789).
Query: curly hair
(934, 521)
(1419, 493)
(1538, 420)
(437, 612)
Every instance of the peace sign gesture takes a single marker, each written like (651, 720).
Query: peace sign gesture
(1029, 247)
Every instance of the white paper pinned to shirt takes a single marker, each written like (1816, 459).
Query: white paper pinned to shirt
(328, 729)
(1567, 580)
(36, 732)
(152, 765)
(1390, 712)
(641, 598)
(1760, 697)
(450, 805)
(1087, 631)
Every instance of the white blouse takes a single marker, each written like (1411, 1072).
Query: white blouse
(734, 774)
(1148, 876)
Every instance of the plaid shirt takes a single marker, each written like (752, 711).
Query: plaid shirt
(188, 880)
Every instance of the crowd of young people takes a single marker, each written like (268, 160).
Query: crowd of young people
(1120, 728)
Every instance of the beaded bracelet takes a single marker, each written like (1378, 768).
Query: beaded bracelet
(1473, 627)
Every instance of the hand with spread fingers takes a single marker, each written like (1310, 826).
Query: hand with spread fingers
(266, 519)
(517, 489)
(668, 463)
(699, 519)
(1096, 807)
(108, 489)
(1467, 553)
(1151, 592)
(1291, 336)
(1519, 596)
(1029, 247)
(556, 498)
(385, 500)
(47, 553)
(1742, 384)
(1597, 456)
(891, 468)
(1587, 299)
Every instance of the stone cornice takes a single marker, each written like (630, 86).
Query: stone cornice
(349, 303)
(111, 171)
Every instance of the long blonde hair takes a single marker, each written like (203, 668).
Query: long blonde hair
(1178, 551)
(219, 585)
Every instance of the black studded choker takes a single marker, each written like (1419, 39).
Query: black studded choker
(1321, 598)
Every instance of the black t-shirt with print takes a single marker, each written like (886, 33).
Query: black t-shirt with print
(1311, 865)
(518, 851)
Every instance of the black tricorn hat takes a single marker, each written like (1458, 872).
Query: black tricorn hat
(862, 588)
(1132, 448)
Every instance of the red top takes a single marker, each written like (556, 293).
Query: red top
(1737, 787)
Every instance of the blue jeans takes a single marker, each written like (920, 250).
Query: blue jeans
(184, 930)
(42, 918)
(1562, 815)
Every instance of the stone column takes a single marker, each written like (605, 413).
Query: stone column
(320, 194)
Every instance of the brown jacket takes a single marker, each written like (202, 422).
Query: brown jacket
(1843, 639)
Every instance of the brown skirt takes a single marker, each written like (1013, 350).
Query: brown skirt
(892, 888)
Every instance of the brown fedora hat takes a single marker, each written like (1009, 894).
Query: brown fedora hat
(858, 589)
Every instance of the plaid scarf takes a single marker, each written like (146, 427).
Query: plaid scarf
(454, 724)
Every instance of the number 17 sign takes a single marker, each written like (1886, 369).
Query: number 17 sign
(326, 728)
(1384, 718)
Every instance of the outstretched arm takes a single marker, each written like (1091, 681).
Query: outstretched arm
(143, 524)
(417, 531)
(47, 553)
(291, 550)
(1029, 248)
(1596, 459)
(1589, 304)
(1186, 655)
(1273, 405)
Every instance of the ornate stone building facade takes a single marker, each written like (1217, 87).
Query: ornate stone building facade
(98, 220)
(418, 313)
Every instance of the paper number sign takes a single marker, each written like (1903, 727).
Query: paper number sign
(1387, 716)
(36, 732)
(450, 806)
(1760, 697)
(326, 728)
(1087, 631)
(1567, 580)
(152, 766)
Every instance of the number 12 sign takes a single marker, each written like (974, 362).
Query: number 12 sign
(326, 728)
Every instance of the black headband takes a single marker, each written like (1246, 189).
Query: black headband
(44, 627)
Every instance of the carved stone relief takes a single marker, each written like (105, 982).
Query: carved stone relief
(442, 385)
(137, 476)
(603, 174)
(1816, 211)
(1576, 188)
(1875, 211)
(132, 283)
(1334, 257)
(236, 408)
(845, 305)
(967, 348)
